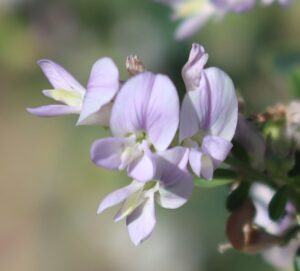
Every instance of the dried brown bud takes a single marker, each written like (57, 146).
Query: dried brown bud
(134, 65)
(275, 113)
(245, 236)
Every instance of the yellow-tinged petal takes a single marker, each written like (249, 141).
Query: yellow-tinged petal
(189, 8)
(129, 205)
(71, 98)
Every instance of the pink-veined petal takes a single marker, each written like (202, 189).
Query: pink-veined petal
(59, 77)
(212, 109)
(149, 103)
(217, 148)
(107, 152)
(118, 196)
(221, 113)
(53, 110)
(141, 222)
(102, 87)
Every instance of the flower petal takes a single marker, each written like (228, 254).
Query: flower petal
(141, 222)
(176, 183)
(170, 160)
(68, 97)
(59, 77)
(217, 148)
(53, 110)
(118, 196)
(147, 103)
(222, 110)
(207, 167)
(101, 117)
(102, 87)
(142, 169)
(107, 152)
(191, 71)
(194, 23)
(189, 122)
(212, 109)
(195, 157)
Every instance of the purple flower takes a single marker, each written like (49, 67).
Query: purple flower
(279, 256)
(171, 188)
(144, 117)
(196, 13)
(209, 114)
(93, 104)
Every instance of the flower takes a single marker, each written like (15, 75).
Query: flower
(279, 256)
(93, 104)
(208, 115)
(171, 188)
(196, 13)
(144, 118)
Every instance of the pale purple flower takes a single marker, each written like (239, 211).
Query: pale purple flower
(144, 118)
(279, 256)
(93, 104)
(194, 14)
(171, 188)
(209, 114)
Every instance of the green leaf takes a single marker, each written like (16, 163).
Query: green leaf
(297, 260)
(278, 203)
(211, 184)
(221, 177)
(237, 197)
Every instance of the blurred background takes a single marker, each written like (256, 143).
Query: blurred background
(49, 189)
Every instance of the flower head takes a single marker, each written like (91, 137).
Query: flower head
(208, 115)
(171, 188)
(93, 104)
(144, 117)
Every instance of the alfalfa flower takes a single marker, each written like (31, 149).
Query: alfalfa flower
(171, 187)
(144, 119)
(93, 104)
(208, 115)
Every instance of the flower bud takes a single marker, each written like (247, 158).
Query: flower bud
(192, 70)
(245, 236)
(134, 65)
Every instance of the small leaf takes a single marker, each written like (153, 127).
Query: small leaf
(237, 197)
(213, 183)
(278, 203)
(297, 260)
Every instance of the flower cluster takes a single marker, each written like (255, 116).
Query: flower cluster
(196, 13)
(157, 143)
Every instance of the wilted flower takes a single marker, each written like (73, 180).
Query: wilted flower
(93, 104)
(208, 115)
(171, 188)
(144, 117)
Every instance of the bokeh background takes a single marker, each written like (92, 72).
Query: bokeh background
(49, 189)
